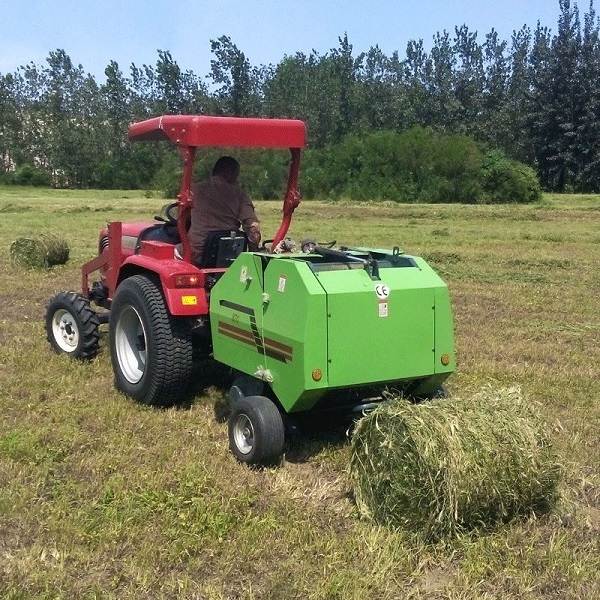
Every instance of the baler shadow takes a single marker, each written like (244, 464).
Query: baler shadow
(312, 435)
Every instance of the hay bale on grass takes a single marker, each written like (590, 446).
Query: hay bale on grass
(43, 251)
(444, 467)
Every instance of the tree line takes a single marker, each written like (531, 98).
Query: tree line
(534, 99)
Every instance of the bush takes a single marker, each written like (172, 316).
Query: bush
(506, 180)
(417, 165)
(30, 175)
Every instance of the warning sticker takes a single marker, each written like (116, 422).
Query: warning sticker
(189, 300)
(281, 284)
(383, 309)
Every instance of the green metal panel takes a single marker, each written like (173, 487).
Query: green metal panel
(273, 317)
(296, 315)
(236, 313)
(379, 330)
(272, 324)
(444, 331)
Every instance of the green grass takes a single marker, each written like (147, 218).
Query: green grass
(103, 498)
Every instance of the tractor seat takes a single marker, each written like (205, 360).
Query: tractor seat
(222, 248)
(161, 232)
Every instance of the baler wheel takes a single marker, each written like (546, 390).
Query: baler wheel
(151, 350)
(72, 326)
(256, 432)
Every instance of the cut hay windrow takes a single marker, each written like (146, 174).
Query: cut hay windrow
(42, 251)
(444, 467)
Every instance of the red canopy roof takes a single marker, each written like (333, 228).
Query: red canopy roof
(195, 130)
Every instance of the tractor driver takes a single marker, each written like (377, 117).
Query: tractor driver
(219, 203)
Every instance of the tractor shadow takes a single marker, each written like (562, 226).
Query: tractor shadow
(210, 383)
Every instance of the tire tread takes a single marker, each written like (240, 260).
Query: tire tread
(88, 323)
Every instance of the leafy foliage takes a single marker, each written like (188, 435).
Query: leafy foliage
(417, 165)
(535, 97)
(29, 175)
(506, 180)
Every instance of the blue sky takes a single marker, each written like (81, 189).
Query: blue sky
(94, 32)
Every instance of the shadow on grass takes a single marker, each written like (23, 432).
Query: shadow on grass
(306, 435)
(312, 434)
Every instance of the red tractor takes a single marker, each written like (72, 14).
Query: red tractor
(285, 320)
(159, 303)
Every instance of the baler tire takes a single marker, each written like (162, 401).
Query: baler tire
(256, 431)
(150, 349)
(72, 326)
(440, 393)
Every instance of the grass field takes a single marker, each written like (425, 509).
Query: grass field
(104, 498)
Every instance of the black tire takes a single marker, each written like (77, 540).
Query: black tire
(256, 432)
(440, 393)
(150, 349)
(72, 326)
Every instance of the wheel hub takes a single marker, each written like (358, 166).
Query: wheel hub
(244, 434)
(131, 345)
(65, 331)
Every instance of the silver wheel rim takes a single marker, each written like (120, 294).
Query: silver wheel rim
(243, 434)
(65, 330)
(131, 345)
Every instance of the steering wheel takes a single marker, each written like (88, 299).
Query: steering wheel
(171, 212)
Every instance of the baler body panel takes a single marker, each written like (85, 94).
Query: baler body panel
(273, 326)
(297, 315)
(382, 337)
(236, 315)
(308, 328)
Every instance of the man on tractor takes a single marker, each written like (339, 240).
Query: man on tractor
(219, 203)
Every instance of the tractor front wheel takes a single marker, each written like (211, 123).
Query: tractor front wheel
(72, 326)
(150, 349)
(256, 432)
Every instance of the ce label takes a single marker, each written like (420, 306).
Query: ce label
(382, 291)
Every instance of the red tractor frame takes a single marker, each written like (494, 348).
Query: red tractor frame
(188, 133)
(143, 281)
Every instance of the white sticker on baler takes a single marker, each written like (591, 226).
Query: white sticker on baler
(281, 284)
(382, 291)
(383, 309)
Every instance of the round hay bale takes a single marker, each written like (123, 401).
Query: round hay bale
(444, 467)
(43, 251)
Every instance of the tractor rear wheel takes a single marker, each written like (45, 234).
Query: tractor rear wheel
(256, 432)
(150, 349)
(72, 326)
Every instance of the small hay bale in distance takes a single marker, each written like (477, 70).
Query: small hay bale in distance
(43, 251)
(445, 467)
